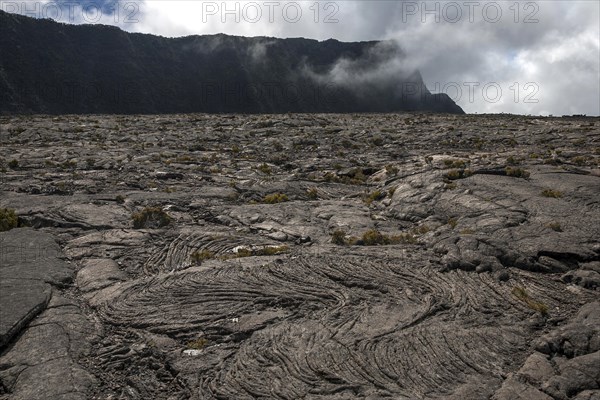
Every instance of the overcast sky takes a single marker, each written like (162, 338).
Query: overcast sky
(539, 57)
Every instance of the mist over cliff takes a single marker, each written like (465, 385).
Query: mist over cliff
(55, 68)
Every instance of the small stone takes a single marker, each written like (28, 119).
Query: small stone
(192, 352)
(279, 236)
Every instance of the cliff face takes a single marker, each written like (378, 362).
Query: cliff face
(49, 67)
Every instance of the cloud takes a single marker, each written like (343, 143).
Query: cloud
(383, 65)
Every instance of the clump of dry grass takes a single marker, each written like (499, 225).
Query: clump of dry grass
(555, 194)
(276, 198)
(521, 294)
(151, 217)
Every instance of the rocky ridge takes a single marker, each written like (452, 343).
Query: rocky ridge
(54, 68)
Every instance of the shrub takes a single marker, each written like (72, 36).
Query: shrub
(329, 177)
(460, 164)
(338, 237)
(373, 237)
(265, 169)
(197, 344)
(555, 226)
(312, 193)
(354, 177)
(391, 169)
(452, 222)
(68, 164)
(453, 175)
(520, 293)
(403, 238)
(13, 164)
(265, 251)
(199, 256)
(151, 217)
(516, 172)
(8, 219)
(512, 161)
(244, 252)
(376, 195)
(276, 198)
(421, 230)
(555, 194)
(457, 174)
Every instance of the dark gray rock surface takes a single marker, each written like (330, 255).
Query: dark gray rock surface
(30, 263)
(405, 256)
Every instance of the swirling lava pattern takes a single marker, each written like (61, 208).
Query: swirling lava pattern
(312, 326)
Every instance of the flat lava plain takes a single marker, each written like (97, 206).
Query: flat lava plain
(372, 256)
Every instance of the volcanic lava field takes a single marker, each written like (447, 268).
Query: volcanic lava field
(300, 256)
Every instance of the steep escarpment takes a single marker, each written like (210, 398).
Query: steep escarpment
(48, 67)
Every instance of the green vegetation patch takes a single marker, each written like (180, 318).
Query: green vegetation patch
(521, 294)
(555, 226)
(8, 219)
(265, 251)
(375, 196)
(456, 174)
(459, 164)
(555, 194)
(151, 217)
(265, 169)
(197, 344)
(516, 172)
(373, 237)
(199, 256)
(276, 198)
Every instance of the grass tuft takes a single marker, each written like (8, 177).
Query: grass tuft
(197, 344)
(555, 194)
(516, 172)
(199, 256)
(151, 217)
(8, 219)
(275, 198)
(373, 237)
(521, 294)
(312, 193)
(375, 196)
(265, 251)
(555, 226)
(265, 169)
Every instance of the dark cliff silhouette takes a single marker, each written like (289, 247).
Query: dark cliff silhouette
(55, 68)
